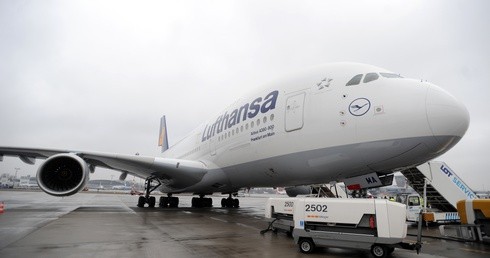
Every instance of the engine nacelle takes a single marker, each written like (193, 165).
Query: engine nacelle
(63, 175)
(293, 191)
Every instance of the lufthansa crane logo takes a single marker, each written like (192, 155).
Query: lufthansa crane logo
(359, 106)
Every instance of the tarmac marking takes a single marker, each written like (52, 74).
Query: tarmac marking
(475, 251)
(222, 220)
(239, 224)
(247, 226)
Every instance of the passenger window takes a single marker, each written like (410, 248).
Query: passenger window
(370, 77)
(355, 80)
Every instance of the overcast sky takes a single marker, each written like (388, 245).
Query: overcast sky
(97, 75)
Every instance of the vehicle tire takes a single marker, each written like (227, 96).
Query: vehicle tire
(151, 202)
(306, 245)
(379, 251)
(236, 203)
(223, 203)
(141, 201)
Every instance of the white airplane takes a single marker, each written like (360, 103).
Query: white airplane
(331, 122)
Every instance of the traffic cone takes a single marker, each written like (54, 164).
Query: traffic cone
(2, 206)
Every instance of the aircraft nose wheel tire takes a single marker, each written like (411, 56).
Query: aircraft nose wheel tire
(306, 245)
(379, 251)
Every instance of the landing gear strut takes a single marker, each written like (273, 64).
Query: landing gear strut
(230, 202)
(147, 199)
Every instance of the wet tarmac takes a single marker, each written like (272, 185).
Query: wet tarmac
(35, 224)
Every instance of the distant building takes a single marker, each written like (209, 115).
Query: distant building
(28, 182)
(6, 181)
(103, 184)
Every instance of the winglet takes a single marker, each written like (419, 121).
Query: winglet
(162, 139)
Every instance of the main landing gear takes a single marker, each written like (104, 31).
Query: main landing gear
(230, 202)
(169, 201)
(202, 202)
(173, 202)
(150, 200)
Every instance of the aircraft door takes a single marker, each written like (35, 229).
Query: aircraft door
(294, 112)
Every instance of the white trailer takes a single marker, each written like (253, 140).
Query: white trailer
(280, 211)
(371, 224)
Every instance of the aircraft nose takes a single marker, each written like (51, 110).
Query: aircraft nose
(446, 115)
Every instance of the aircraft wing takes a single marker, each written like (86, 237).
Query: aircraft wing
(174, 173)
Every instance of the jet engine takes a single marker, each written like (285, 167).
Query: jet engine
(63, 175)
(293, 191)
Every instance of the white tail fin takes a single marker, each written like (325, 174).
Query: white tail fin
(163, 139)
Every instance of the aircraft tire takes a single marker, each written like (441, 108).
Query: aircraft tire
(173, 202)
(141, 202)
(163, 202)
(151, 202)
(208, 202)
(196, 202)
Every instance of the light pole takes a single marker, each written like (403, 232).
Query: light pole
(16, 170)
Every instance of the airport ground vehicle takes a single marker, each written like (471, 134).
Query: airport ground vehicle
(475, 221)
(441, 189)
(413, 202)
(281, 211)
(368, 224)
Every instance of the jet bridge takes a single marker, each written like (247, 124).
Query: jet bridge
(441, 188)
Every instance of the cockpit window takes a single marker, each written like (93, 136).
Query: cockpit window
(390, 75)
(355, 80)
(370, 77)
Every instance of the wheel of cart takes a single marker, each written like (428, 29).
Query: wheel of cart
(380, 251)
(306, 245)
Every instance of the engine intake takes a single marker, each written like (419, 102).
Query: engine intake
(63, 175)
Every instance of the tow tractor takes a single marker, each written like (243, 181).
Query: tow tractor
(369, 224)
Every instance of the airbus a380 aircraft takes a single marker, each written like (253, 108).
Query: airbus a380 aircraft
(330, 122)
